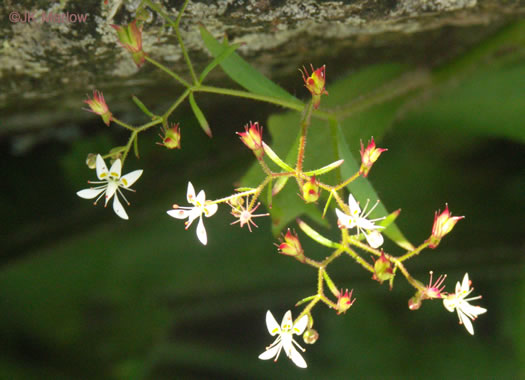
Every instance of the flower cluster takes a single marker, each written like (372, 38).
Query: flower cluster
(361, 235)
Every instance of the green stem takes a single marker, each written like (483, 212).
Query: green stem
(416, 251)
(128, 145)
(168, 71)
(181, 98)
(305, 122)
(262, 98)
(181, 42)
(122, 124)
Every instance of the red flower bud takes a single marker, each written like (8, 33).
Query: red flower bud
(130, 37)
(252, 138)
(369, 156)
(315, 83)
(344, 301)
(291, 246)
(443, 224)
(311, 191)
(98, 105)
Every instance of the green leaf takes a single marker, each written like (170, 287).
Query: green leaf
(142, 107)
(362, 190)
(199, 115)
(243, 73)
(222, 56)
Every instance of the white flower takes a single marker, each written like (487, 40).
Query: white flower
(285, 339)
(192, 213)
(110, 184)
(357, 218)
(460, 303)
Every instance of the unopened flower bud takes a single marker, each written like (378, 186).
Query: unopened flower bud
(98, 105)
(130, 37)
(171, 138)
(383, 270)
(91, 160)
(414, 303)
(311, 191)
(344, 301)
(443, 224)
(310, 336)
(252, 138)
(369, 156)
(291, 246)
(315, 83)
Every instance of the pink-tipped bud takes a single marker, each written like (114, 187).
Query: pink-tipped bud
(443, 224)
(98, 105)
(315, 83)
(369, 156)
(171, 138)
(252, 138)
(383, 270)
(291, 246)
(310, 336)
(344, 301)
(311, 190)
(130, 37)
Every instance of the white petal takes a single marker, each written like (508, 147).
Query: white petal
(287, 323)
(130, 178)
(466, 283)
(471, 310)
(297, 358)
(300, 325)
(116, 168)
(374, 238)
(365, 224)
(190, 194)
(270, 353)
(201, 232)
(354, 206)
(119, 210)
(450, 304)
(201, 198)
(210, 210)
(194, 213)
(89, 193)
(102, 169)
(344, 220)
(110, 191)
(178, 213)
(465, 321)
(271, 324)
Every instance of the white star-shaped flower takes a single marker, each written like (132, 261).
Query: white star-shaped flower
(285, 338)
(192, 213)
(460, 303)
(110, 182)
(358, 218)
